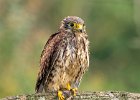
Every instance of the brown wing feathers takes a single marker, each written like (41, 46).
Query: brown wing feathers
(45, 61)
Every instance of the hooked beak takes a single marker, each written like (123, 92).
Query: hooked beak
(79, 26)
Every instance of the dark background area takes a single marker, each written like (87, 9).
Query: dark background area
(113, 27)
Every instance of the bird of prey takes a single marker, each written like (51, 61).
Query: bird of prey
(65, 58)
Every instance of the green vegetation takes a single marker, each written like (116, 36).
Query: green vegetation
(113, 27)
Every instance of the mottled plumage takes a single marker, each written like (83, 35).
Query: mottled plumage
(65, 57)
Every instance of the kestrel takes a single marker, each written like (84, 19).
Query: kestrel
(65, 58)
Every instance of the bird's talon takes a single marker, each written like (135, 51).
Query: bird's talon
(74, 91)
(60, 95)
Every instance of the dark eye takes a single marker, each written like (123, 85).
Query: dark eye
(71, 24)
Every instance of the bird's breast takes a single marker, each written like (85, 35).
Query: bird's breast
(77, 57)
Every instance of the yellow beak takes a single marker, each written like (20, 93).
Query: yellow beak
(79, 26)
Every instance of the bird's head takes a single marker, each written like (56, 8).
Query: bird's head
(73, 24)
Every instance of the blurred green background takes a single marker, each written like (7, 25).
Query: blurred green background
(113, 27)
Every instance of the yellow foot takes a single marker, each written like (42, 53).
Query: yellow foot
(74, 91)
(60, 95)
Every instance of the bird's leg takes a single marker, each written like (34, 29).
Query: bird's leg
(60, 95)
(73, 90)
(68, 87)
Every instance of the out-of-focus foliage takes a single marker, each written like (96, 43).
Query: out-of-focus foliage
(113, 27)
